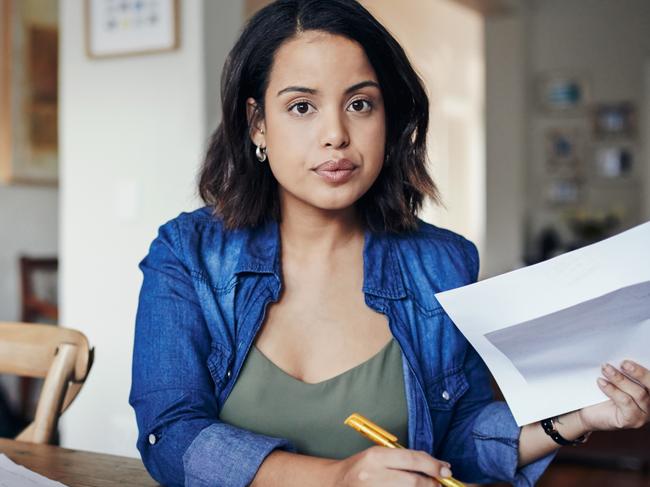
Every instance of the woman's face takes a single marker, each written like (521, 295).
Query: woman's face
(324, 124)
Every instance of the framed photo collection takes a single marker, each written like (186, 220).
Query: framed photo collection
(131, 27)
(567, 93)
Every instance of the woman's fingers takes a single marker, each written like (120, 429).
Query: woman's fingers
(400, 477)
(636, 391)
(637, 372)
(381, 466)
(416, 461)
(628, 414)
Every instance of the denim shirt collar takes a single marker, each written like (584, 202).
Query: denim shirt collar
(382, 276)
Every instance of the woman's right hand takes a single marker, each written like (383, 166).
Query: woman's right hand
(379, 466)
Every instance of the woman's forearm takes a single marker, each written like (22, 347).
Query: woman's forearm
(534, 443)
(291, 469)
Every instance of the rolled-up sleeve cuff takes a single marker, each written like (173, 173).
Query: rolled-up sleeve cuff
(496, 436)
(224, 455)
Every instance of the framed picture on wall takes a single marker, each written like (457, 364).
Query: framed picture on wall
(564, 151)
(614, 162)
(131, 27)
(614, 120)
(562, 92)
(29, 92)
(563, 191)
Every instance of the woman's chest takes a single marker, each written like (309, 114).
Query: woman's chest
(306, 341)
(317, 332)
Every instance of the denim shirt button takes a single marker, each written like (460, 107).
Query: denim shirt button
(152, 439)
(228, 374)
(445, 395)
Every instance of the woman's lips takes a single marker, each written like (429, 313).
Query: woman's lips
(339, 176)
(336, 171)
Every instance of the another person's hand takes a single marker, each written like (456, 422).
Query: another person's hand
(629, 404)
(379, 466)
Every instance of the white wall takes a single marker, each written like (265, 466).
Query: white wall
(133, 132)
(505, 131)
(222, 23)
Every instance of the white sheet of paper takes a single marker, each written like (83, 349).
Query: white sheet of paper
(544, 330)
(13, 475)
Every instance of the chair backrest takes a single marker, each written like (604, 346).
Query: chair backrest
(61, 356)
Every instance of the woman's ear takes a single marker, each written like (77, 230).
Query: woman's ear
(256, 125)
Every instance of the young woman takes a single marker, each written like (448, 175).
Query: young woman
(304, 291)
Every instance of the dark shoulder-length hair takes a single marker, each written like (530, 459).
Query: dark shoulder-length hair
(243, 192)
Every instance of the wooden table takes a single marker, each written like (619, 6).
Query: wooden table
(566, 475)
(76, 468)
(85, 469)
(560, 475)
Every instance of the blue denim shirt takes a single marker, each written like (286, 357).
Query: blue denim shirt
(203, 299)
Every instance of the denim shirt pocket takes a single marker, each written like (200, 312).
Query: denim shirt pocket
(444, 391)
(219, 364)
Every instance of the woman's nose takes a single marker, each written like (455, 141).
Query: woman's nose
(334, 131)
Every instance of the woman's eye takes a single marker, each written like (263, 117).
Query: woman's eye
(300, 108)
(303, 108)
(360, 106)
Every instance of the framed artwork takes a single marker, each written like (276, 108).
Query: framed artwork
(614, 120)
(29, 92)
(564, 151)
(614, 162)
(131, 27)
(563, 191)
(562, 93)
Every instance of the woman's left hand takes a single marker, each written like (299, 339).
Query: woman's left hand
(629, 404)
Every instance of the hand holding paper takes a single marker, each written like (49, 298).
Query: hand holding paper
(621, 412)
(544, 331)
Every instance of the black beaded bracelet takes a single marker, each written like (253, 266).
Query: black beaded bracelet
(549, 428)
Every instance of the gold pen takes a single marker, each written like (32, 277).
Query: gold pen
(382, 437)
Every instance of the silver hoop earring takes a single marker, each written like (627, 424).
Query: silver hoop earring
(260, 153)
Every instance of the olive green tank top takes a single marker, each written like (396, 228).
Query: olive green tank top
(267, 400)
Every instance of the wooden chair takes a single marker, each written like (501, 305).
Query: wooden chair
(33, 307)
(59, 355)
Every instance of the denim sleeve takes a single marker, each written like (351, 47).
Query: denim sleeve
(180, 438)
(482, 442)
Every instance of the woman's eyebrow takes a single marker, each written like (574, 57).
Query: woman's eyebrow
(312, 91)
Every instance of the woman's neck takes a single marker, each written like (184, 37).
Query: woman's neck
(306, 231)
